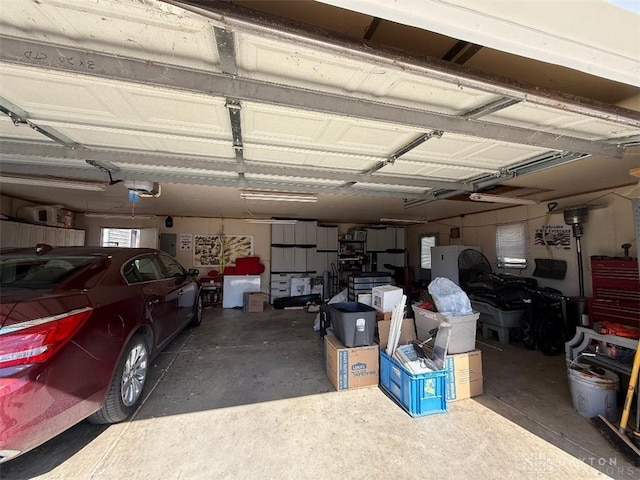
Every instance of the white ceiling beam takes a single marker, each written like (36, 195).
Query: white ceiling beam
(591, 36)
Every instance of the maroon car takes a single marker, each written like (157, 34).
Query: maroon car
(78, 329)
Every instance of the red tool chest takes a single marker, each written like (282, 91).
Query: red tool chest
(616, 291)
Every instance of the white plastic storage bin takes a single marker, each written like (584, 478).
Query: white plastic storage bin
(463, 331)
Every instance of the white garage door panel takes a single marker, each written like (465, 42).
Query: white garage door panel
(430, 170)
(286, 126)
(93, 101)
(303, 180)
(298, 157)
(9, 131)
(565, 123)
(388, 188)
(64, 97)
(166, 34)
(312, 68)
(177, 111)
(458, 149)
(160, 169)
(138, 140)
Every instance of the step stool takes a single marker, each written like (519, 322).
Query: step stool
(503, 332)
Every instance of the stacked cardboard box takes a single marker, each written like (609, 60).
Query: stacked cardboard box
(253, 301)
(464, 375)
(350, 368)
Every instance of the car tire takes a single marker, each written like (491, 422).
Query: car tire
(197, 313)
(125, 393)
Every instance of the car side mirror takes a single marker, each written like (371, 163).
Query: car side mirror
(193, 272)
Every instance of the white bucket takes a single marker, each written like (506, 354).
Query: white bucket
(594, 392)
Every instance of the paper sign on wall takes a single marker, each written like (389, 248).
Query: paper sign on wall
(556, 236)
(186, 241)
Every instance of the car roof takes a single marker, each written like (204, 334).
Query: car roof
(47, 250)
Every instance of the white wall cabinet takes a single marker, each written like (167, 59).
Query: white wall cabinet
(327, 249)
(293, 254)
(383, 239)
(16, 234)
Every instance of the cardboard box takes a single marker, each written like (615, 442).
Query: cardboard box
(300, 286)
(407, 332)
(386, 297)
(253, 301)
(380, 316)
(350, 368)
(464, 375)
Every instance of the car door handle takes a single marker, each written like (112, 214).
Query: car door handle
(180, 292)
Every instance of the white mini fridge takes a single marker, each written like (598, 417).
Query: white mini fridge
(234, 286)
(444, 261)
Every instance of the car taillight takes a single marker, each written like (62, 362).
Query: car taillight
(35, 341)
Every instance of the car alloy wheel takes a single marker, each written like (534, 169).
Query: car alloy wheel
(134, 375)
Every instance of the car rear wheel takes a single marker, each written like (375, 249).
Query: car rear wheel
(125, 393)
(197, 313)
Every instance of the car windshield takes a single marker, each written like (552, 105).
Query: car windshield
(32, 272)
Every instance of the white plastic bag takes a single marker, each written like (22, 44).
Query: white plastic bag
(449, 298)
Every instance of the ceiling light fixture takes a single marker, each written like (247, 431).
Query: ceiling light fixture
(272, 221)
(486, 197)
(120, 215)
(271, 196)
(404, 220)
(54, 183)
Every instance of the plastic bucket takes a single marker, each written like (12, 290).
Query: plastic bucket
(594, 391)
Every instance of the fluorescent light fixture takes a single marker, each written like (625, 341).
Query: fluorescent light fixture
(120, 215)
(486, 197)
(271, 221)
(271, 196)
(54, 183)
(404, 220)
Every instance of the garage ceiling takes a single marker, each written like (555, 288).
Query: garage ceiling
(210, 99)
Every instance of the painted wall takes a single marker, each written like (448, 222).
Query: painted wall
(605, 230)
(194, 225)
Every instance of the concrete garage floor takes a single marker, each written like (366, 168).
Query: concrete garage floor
(246, 396)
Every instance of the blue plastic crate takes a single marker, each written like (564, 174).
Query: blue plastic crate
(418, 393)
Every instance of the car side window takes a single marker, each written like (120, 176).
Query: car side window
(147, 268)
(131, 274)
(172, 269)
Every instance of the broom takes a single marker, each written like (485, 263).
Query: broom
(618, 435)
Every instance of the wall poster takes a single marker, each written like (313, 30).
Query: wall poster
(220, 250)
(556, 236)
(186, 240)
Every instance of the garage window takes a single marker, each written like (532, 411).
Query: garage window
(120, 237)
(510, 245)
(426, 242)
